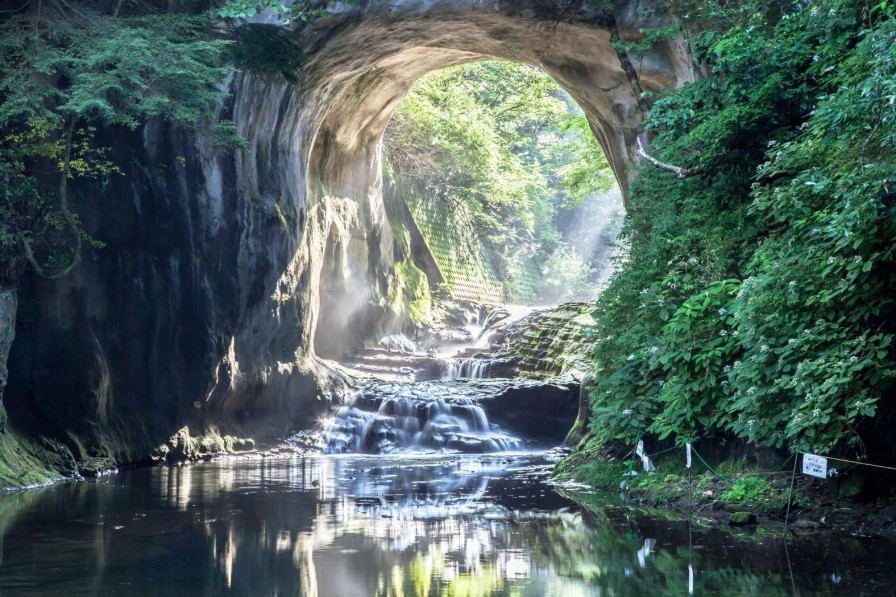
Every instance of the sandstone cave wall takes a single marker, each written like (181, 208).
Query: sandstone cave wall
(218, 266)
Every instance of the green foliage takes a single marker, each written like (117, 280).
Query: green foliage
(500, 138)
(267, 49)
(757, 300)
(61, 74)
(747, 489)
(584, 168)
(118, 71)
(601, 474)
(415, 295)
(301, 10)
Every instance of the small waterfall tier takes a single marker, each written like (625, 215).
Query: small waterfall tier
(388, 418)
(453, 369)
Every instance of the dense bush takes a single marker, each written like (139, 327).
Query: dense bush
(757, 300)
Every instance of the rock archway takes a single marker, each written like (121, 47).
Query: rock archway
(323, 161)
(204, 306)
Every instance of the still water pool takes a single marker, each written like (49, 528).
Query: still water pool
(401, 525)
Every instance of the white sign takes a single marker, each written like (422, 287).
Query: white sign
(817, 466)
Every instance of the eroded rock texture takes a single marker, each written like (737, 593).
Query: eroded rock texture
(222, 273)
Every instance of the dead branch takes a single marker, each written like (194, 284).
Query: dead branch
(681, 172)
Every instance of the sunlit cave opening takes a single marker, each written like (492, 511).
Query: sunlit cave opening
(508, 196)
(496, 194)
(504, 217)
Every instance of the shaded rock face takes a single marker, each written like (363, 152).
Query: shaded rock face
(224, 274)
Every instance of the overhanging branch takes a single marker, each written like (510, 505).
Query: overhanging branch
(681, 172)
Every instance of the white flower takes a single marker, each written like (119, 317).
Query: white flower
(816, 412)
(726, 369)
(631, 357)
(627, 412)
(723, 333)
(763, 348)
(735, 333)
(853, 359)
(724, 382)
(722, 311)
(653, 349)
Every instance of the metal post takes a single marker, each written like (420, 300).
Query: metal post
(796, 458)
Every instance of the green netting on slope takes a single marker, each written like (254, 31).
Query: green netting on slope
(526, 282)
(456, 248)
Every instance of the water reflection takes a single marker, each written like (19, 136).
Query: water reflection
(404, 526)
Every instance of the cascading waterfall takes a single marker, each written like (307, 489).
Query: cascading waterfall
(453, 369)
(376, 424)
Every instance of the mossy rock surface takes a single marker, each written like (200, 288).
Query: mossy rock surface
(25, 463)
(742, 519)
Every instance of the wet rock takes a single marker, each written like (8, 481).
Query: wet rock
(397, 343)
(94, 467)
(740, 519)
(180, 447)
(307, 441)
(237, 445)
(841, 517)
(889, 513)
(541, 411)
(807, 525)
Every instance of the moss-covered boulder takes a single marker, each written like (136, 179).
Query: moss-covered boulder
(741, 519)
(180, 447)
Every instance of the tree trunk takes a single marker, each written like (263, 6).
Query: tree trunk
(580, 429)
(9, 300)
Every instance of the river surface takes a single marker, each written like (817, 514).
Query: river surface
(404, 525)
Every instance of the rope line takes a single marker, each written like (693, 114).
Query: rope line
(777, 469)
(706, 464)
(889, 468)
(664, 451)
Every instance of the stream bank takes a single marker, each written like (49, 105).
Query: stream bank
(737, 492)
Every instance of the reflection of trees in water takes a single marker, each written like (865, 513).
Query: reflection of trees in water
(372, 526)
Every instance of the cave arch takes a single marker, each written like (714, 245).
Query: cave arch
(314, 147)
(390, 49)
